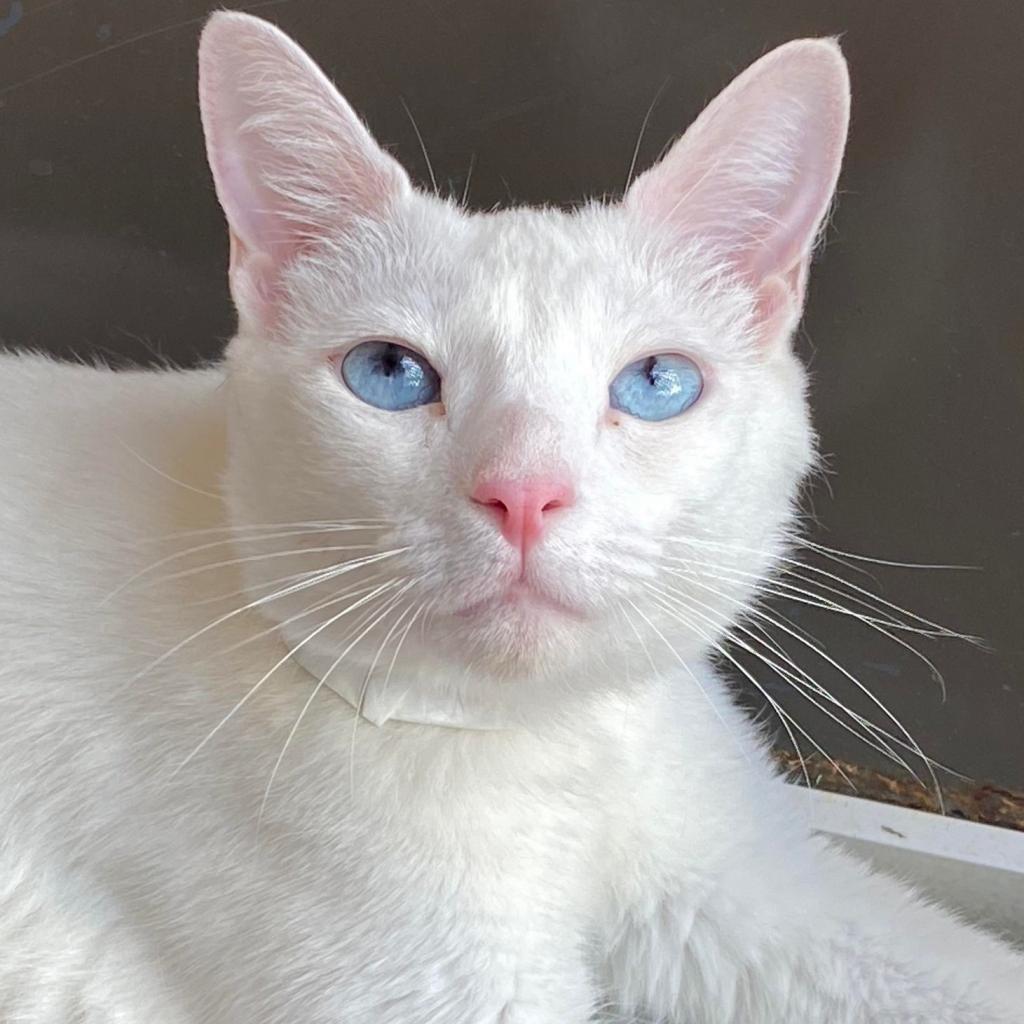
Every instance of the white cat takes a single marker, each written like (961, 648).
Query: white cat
(504, 480)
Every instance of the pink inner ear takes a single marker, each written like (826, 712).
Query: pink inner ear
(255, 278)
(752, 178)
(255, 213)
(291, 161)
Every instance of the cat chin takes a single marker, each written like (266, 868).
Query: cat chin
(524, 640)
(520, 603)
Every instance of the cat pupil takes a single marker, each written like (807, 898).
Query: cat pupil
(391, 361)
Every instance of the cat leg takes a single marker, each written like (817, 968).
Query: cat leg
(807, 933)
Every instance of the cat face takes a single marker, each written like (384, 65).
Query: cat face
(548, 441)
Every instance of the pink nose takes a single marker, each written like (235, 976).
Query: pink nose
(521, 507)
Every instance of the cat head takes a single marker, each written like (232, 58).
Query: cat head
(536, 449)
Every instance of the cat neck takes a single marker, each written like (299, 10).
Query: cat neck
(423, 698)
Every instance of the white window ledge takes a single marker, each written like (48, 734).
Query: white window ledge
(975, 869)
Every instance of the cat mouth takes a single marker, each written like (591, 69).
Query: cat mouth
(518, 596)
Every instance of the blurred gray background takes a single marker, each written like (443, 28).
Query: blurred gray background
(112, 244)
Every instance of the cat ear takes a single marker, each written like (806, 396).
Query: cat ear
(753, 177)
(291, 161)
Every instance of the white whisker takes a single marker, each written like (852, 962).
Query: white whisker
(790, 592)
(797, 682)
(789, 561)
(837, 554)
(423, 147)
(327, 574)
(422, 613)
(800, 677)
(167, 476)
(364, 689)
(209, 546)
(318, 606)
(788, 722)
(759, 613)
(693, 675)
(268, 585)
(277, 665)
(313, 694)
(263, 557)
(642, 132)
(469, 178)
(237, 528)
(762, 583)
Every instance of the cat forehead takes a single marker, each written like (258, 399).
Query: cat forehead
(552, 250)
(542, 264)
(595, 281)
(529, 289)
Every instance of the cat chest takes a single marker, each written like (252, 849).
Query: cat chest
(450, 907)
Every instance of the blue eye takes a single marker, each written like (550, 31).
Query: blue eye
(390, 376)
(657, 387)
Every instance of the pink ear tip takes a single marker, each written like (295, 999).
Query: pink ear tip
(227, 31)
(221, 21)
(820, 57)
(816, 45)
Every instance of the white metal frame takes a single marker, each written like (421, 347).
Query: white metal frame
(975, 869)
